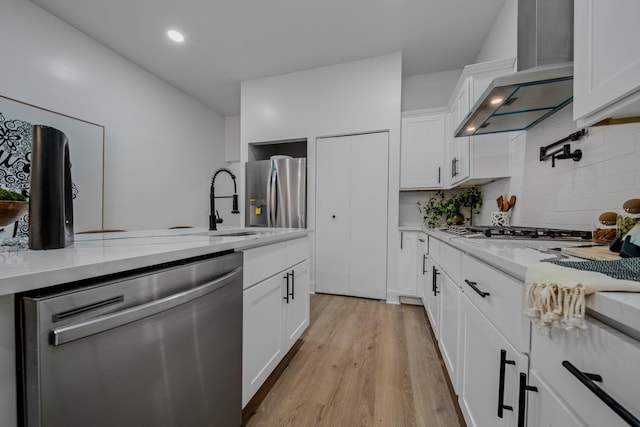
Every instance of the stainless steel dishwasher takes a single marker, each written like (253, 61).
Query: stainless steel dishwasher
(161, 347)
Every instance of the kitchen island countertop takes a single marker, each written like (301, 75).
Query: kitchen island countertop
(95, 255)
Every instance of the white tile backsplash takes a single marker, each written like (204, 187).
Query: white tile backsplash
(573, 194)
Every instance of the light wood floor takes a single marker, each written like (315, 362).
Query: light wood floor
(363, 363)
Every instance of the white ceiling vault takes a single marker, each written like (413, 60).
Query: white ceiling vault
(229, 41)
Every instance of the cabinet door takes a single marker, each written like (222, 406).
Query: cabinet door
(422, 151)
(434, 299)
(459, 160)
(261, 334)
(461, 105)
(449, 324)
(545, 408)
(490, 369)
(296, 307)
(423, 267)
(607, 59)
(408, 264)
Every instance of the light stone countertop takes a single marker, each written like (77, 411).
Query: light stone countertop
(95, 255)
(620, 310)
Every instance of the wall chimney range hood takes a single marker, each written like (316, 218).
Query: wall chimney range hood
(544, 81)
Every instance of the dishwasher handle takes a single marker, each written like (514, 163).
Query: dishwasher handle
(65, 334)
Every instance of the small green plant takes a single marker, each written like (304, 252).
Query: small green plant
(11, 195)
(447, 206)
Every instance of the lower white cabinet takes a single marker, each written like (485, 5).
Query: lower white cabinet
(275, 310)
(449, 326)
(545, 408)
(408, 264)
(569, 361)
(490, 371)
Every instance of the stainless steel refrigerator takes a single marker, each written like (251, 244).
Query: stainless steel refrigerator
(276, 193)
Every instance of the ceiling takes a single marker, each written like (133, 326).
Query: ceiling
(229, 41)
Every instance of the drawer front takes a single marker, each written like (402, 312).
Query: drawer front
(451, 261)
(503, 300)
(546, 409)
(263, 262)
(599, 350)
(297, 251)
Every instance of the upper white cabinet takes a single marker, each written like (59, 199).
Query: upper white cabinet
(422, 149)
(606, 60)
(477, 159)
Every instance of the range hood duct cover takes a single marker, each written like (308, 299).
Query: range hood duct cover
(544, 81)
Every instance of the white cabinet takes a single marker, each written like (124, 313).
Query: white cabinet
(262, 334)
(606, 60)
(490, 371)
(408, 264)
(545, 408)
(565, 356)
(275, 308)
(351, 215)
(296, 308)
(483, 158)
(449, 327)
(425, 268)
(422, 146)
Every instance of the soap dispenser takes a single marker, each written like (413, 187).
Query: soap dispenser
(51, 196)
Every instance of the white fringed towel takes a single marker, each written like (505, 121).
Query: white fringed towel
(556, 294)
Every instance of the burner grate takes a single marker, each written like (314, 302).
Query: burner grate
(532, 232)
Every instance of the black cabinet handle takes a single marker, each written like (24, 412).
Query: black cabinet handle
(474, 286)
(439, 171)
(434, 282)
(286, 294)
(424, 260)
(503, 363)
(293, 284)
(522, 398)
(588, 381)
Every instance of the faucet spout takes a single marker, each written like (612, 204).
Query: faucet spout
(214, 217)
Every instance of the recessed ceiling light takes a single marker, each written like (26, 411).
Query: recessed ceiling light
(176, 36)
(470, 129)
(496, 101)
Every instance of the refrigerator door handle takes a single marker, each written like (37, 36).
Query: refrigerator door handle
(271, 198)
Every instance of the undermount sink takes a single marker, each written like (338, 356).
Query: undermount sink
(236, 233)
(214, 233)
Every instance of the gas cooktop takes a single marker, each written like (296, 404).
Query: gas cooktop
(521, 232)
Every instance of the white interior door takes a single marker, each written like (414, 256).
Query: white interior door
(351, 215)
(368, 226)
(332, 215)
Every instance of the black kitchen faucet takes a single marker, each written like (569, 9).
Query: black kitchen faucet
(214, 216)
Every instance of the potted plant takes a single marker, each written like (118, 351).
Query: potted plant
(448, 206)
(12, 206)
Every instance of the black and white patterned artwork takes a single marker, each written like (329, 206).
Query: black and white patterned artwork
(86, 147)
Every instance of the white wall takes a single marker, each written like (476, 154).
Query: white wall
(161, 146)
(430, 90)
(232, 138)
(573, 194)
(347, 98)
(502, 40)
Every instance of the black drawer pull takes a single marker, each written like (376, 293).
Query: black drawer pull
(286, 294)
(434, 282)
(503, 363)
(522, 398)
(588, 381)
(424, 260)
(474, 286)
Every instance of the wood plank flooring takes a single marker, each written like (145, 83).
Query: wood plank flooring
(362, 363)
